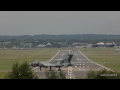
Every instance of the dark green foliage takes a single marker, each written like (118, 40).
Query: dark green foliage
(63, 37)
(55, 40)
(103, 74)
(22, 71)
(55, 75)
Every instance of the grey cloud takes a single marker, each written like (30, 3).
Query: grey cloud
(59, 22)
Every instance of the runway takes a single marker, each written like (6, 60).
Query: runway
(79, 71)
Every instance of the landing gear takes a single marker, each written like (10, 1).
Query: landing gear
(50, 68)
(59, 69)
(40, 68)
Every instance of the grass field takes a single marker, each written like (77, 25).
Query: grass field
(107, 57)
(8, 57)
(2, 74)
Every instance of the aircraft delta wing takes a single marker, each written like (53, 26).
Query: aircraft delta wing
(55, 63)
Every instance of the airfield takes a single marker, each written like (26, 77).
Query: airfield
(85, 58)
(79, 70)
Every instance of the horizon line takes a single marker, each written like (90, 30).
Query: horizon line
(58, 34)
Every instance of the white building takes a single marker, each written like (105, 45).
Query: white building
(48, 44)
(100, 43)
(41, 46)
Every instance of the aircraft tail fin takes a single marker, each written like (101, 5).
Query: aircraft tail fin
(68, 59)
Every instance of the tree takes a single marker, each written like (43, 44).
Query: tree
(22, 71)
(55, 75)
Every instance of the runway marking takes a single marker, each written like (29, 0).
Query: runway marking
(55, 55)
(34, 68)
(76, 64)
(80, 59)
(94, 62)
(65, 50)
(58, 59)
(70, 74)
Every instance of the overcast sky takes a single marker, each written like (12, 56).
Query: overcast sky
(59, 22)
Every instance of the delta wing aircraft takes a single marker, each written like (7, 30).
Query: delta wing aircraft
(54, 63)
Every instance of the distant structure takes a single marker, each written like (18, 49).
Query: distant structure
(48, 45)
(44, 45)
(6, 43)
(41, 46)
(110, 44)
(27, 45)
(102, 44)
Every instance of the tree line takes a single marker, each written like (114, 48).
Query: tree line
(55, 40)
(63, 37)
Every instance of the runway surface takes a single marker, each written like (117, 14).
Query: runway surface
(79, 71)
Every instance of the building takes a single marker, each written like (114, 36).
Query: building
(26, 44)
(100, 44)
(110, 44)
(41, 46)
(48, 45)
(75, 43)
(6, 43)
